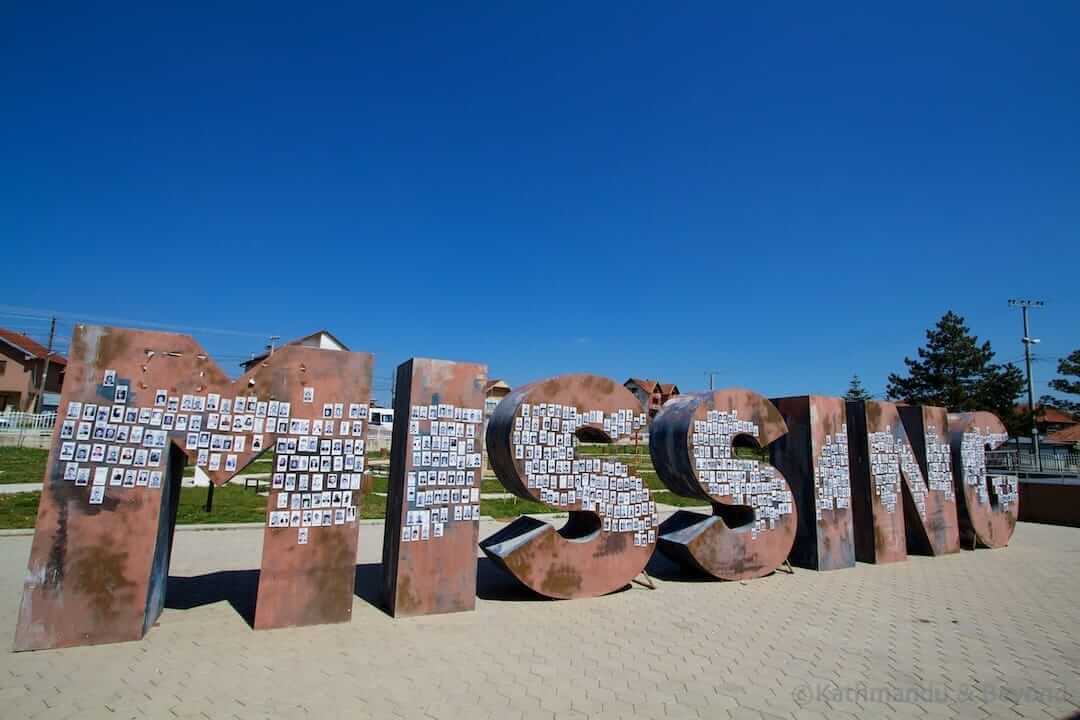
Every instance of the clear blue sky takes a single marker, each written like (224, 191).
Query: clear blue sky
(787, 194)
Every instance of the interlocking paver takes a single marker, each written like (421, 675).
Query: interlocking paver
(984, 634)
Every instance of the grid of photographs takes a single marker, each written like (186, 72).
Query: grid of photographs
(832, 474)
(442, 474)
(117, 444)
(973, 461)
(544, 443)
(741, 481)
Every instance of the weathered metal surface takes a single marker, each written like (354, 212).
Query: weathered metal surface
(433, 512)
(874, 436)
(813, 458)
(135, 406)
(312, 582)
(611, 532)
(753, 524)
(988, 502)
(930, 515)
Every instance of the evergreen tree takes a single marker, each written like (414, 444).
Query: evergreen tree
(855, 390)
(955, 371)
(1068, 367)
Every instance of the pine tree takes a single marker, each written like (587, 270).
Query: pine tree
(855, 390)
(1068, 367)
(956, 372)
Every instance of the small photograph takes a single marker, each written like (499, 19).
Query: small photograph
(161, 397)
(120, 395)
(109, 380)
(97, 494)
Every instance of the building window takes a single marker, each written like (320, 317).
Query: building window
(3, 366)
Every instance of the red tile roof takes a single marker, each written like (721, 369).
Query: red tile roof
(1066, 435)
(1051, 415)
(648, 386)
(29, 346)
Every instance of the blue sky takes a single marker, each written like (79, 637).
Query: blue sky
(786, 193)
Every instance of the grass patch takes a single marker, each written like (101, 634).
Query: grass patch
(232, 504)
(508, 508)
(373, 507)
(609, 449)
(666, 497)
(22, 465)
(19, 510)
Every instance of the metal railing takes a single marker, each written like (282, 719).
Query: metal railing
(1064, 461)
(16, 421)
(27, 429)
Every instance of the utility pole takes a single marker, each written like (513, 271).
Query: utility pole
(710, 374)
(1028, 342)
(272, 339)
(45, 373)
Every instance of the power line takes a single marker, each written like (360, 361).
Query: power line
(38, 313)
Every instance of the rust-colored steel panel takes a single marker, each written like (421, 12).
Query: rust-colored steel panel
(136, 405)
(611, 533)
(813, 458)
(930, 495)
(989, 503)
(875, 435)
(692, 442)
(433, 513)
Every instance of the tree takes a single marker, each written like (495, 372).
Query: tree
(1068, 367)
(855, 390)
(955, 371)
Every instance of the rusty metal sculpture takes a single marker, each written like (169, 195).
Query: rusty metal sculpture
(692, 442)
(531, 444)
(930, 516)
(433, 512)
(813, 458)
(989, 502)
(897, 505)
(136, 406)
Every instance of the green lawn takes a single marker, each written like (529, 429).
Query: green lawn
(22, 465)
(18, 510)
(234, 504)
(510, 508)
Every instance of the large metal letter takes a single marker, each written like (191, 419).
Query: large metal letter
(930, 501)
(887, 479)
(136, 405)
(692, 443)
(813, 458)
(989, 502)
(611, 532)
(433, 514)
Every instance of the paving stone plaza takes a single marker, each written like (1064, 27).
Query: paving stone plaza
(992, 633)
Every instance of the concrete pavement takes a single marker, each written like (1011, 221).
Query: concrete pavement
(983, 634)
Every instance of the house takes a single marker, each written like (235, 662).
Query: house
(668, 391)
(1049, 419)
(323, 339)
(651, 394)
(22, 365)
(494, 392)
(1066, 436)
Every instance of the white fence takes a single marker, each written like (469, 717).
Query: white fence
(378, 438)
(27, 429)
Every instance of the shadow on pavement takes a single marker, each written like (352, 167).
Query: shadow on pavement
(237, 587)
(494, 583)
(368, 585)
